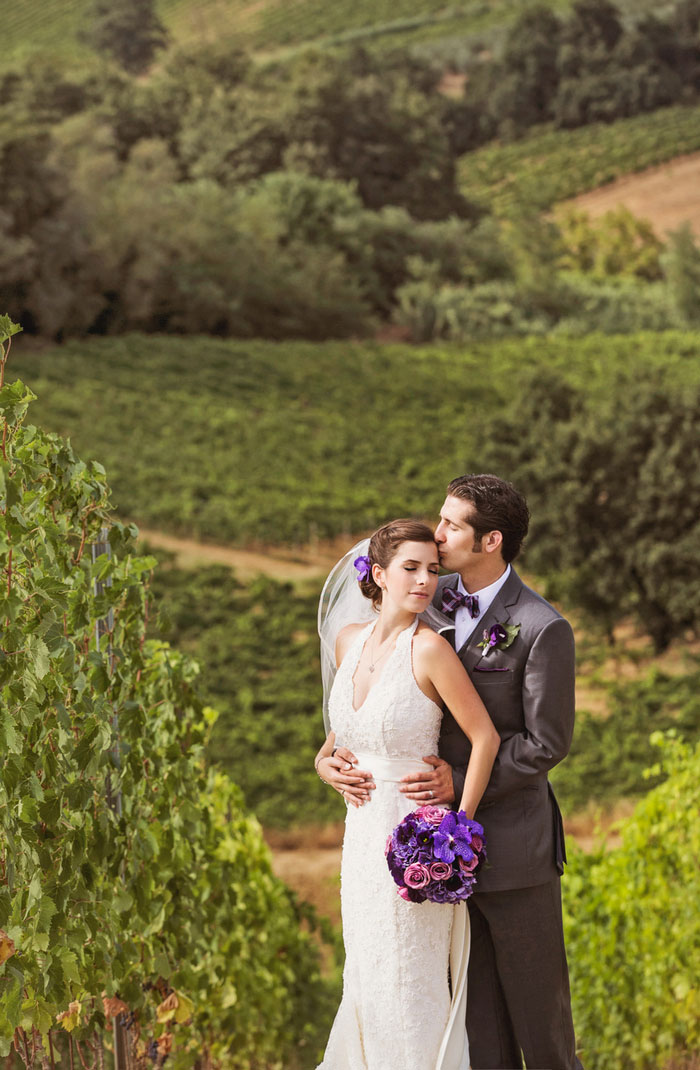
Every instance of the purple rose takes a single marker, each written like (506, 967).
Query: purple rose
(477, 842)
(440, 871)
(468, 864)
(417, 875)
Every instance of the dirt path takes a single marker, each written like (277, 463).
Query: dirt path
(667, 195)
(303, 563)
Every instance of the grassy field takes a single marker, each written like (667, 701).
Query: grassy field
(240, 442)
(552, 165)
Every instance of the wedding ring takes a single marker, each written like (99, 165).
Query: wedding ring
(432, 794)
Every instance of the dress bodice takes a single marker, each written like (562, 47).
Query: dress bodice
(396, 719)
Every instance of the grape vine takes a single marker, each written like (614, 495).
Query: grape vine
(164, 914)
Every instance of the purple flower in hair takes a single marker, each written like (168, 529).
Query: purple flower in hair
(363, 566)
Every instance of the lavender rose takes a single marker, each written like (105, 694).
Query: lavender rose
(417, 875)
(432, 814)
(440, 871)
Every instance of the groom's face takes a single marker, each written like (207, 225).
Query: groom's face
(458, 545)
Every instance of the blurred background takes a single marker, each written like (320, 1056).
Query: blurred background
(285, 268)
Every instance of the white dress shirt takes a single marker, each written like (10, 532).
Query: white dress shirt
(464, 623)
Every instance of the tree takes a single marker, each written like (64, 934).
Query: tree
(127, 30)
(686, 24)
(526, 78)
(350, 119)
(614, 489)
(48, 271)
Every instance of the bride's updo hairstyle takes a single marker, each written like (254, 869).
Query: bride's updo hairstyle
(383, 547)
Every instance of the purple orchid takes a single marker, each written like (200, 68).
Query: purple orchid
(363, 566)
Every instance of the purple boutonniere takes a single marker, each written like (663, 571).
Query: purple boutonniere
(498, 637)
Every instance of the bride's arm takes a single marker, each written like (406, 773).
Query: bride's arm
(437, 667)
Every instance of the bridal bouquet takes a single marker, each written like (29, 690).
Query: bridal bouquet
(435, 854)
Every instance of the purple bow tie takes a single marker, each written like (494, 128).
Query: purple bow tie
(452, 599)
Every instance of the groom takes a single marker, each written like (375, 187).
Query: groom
(518, 988)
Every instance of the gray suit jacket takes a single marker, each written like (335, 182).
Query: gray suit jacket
(528, 690)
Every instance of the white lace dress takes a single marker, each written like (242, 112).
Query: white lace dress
(397, 1010)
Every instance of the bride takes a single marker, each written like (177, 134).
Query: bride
(394, 674)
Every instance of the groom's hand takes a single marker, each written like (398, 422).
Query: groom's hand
(430, 787)
(341, 772)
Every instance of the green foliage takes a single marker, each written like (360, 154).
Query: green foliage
(585, 68)
(610, 755)
(632, 929)
(608, 73)
(458, 313)
(258, 647)
(393, 145)
(128, 31)
(615, 497)
(618, 305)
(47, 265)
(551, 165)
(126, 870)
(616, 244)
(521, 87)
(682, 269)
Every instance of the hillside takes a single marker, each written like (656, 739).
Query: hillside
(268, 26)
(241, 442)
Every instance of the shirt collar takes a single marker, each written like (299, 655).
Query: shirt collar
(486, 594)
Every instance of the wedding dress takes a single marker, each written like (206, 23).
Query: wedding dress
(397, 1010)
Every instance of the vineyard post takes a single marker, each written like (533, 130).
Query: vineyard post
(104, 626)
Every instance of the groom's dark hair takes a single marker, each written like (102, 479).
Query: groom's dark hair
(498, 506)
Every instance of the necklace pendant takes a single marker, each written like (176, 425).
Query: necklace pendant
(371, 668)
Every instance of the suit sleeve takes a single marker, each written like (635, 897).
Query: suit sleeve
(548, 713)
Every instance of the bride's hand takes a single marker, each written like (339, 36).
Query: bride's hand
(338, 770)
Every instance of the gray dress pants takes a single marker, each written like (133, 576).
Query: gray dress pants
(518, 999)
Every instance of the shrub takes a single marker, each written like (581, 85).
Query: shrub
(633, 929)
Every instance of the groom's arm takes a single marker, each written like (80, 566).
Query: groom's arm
(548, 713)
